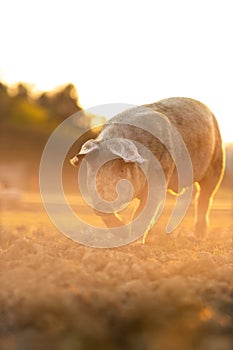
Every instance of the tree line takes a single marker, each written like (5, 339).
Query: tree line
(18, 106)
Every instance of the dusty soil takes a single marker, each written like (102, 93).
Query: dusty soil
(170, 293)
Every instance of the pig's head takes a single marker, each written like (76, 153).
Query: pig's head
(121, 161)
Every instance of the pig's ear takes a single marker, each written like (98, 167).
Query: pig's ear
(127, 150)
(88, 147)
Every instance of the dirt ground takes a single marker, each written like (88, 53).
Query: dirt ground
(171, 293)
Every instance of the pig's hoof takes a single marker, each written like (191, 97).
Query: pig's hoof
(201, 234)
(191, 236)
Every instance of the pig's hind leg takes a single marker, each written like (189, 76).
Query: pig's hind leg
(207, 188)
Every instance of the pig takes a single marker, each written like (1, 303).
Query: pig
(200, 133)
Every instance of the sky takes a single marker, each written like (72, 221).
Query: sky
(123, 51)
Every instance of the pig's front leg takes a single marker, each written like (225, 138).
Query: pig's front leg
(111, 220)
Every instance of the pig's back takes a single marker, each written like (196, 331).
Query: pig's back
(192, 119)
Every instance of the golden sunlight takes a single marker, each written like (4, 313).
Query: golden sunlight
(97, 120)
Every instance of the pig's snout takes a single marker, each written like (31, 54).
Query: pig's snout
(74, 161)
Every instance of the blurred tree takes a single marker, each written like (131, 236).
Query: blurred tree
(28, 121)
(4, 102)
(26, 112)
(22, 91)
(61, 103)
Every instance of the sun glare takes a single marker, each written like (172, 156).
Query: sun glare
(97, 120)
